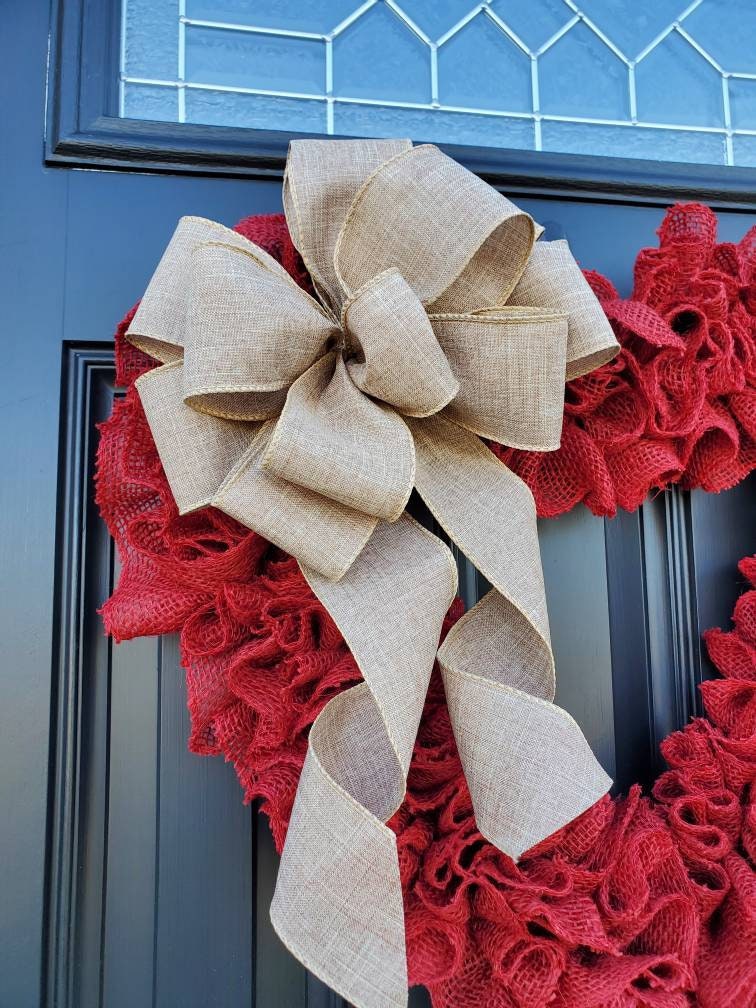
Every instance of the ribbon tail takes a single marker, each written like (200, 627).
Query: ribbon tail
(528, 766)
(338, 899)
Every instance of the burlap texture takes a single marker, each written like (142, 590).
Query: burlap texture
(553, 280)
(366, 396)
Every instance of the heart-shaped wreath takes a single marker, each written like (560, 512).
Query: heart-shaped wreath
(640, 901)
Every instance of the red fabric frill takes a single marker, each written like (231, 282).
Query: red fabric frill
(640, 902)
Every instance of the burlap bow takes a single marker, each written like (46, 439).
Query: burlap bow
(310, 421)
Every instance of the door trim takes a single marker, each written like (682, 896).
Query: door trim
(84, 563)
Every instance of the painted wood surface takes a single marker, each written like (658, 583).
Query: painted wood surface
(130, 872)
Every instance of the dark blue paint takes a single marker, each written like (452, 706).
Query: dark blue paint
(76, 248)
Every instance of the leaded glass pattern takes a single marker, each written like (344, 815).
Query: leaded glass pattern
(660, 79)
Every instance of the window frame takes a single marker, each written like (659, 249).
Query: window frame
(83, 130)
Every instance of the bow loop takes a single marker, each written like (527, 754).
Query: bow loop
(458, 243)
(250, 332)
(396, 355)
(510, 365)
(331, 438)
(552, 280)
(159, 325)
(321, 179)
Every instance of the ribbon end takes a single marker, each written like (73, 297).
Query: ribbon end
(338, 900)
(529, 767)
(553, 807)
(518, 843)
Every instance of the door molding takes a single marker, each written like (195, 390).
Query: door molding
(84, 562)
(657, 652)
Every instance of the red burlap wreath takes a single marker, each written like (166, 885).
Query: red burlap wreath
(641, 901)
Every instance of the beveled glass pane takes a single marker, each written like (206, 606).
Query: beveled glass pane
(379, 56)
(634, 142)
(151, 39)
(534, 22)
(433, 125)
(743, 103)
(580, 76)
(294, 15)
(145, 101)
(251, 60)
(676, 85)
(727, 30)
(251, 111)
(744, 149)
(480, 67)
(632, 24)
(435, 19)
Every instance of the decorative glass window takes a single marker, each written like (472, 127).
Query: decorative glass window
(657, 79)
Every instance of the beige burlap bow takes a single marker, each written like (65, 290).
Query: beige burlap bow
(439, 321)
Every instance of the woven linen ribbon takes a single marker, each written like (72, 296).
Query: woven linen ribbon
(438, 320)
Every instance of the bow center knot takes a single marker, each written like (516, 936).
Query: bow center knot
(392, 351)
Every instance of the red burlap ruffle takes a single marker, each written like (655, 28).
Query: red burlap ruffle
(641, 901)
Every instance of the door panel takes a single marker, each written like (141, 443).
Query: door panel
(131, 873)
(573, 551)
